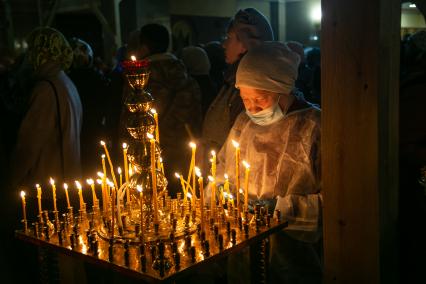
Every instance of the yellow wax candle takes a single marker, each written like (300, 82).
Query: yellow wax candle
(226, 185)
(182, 184)
(237, 170)
(126, 171)
(194, 149)
(80, 194)
(157, 129)
(66, 195)
(201, 187)
(52, 182)
(213, 168)
(110, 163)
(39, 199)
(139, 188)
(246, 183)
(213, 194)
(161, 165)
(121, 176)
(91, 182)
(154, 177)
(112, 210)
(24, 210)
(104, 166)
(104, 198)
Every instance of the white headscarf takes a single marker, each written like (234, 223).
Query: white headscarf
(270, 66)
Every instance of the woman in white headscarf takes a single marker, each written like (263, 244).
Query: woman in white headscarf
(279, 136)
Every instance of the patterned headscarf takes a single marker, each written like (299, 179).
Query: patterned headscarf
(47, 44)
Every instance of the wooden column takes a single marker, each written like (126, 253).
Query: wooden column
(360, 74)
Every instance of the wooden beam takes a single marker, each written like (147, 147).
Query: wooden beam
(360, 74)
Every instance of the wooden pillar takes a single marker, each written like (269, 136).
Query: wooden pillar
(360, 74)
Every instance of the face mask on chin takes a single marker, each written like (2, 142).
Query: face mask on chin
(267, 116)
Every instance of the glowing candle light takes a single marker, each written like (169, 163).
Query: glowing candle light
(153, 176)
(52, 182)
(66, 195)
(103, 165)
(194, 149)
(139, 188)
(201, 187)
(112, 208)
(126, 171)
(157, 129)
(80, 194)
(39, 199)
(110, 163)
(161, 165)
(104, 197)
(121, 176)
(182, 183)
(92, 185)
(213, 168)
(213, 197)
(24, 210)
(246, 183)
(237, 170)
(133, 58)
(226, 185)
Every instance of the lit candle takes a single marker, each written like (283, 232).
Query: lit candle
(92, 185)
(52, 182)
(154, 177)
(112, 208)
(110, 163)
(80, 194)
(66, 195)
(121, 176)
(226, 185)
(133, 58)
(103, 184)
(213, 169)
(246, 183)
(24, 210)
(237, 170)
(139, 188)
(213, 197)
(126, 171)
(201, 187)
(39, 199)
(103, 165)
(182, 184)
(157, 129)
(161, 165)
(194, 149)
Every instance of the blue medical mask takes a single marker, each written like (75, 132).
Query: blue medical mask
(268, 115)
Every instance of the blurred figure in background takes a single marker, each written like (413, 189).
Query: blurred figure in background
(247, 29)
(198, 66)
(91, 86)
(216, 54)
(305, 74)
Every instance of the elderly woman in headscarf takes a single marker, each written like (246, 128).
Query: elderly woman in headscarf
(48, 143)
(246, 30)
(279, 136)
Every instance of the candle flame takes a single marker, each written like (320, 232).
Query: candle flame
(153, 111)
(189, 195)
(111, 184)
(161, 160)
(226, 176)
(150, 136)
(231, 196)
(119, 170)
(133, 58)
(246, 164)
(77, 184)
(102, 143)
(225, 194)
(241, 190)
(213, 153)
(23, 194)
(101, 175)
(52, 182)
(197, 171)
(124, 145)
(177, 175)
(37, 186)
(139, 187)
(99, 181)
(211, 178)
(235, 143)
(65, 185)
(90, 181)
(103, 156)
(192, 145)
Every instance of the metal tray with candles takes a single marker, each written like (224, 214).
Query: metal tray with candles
(182, 245)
